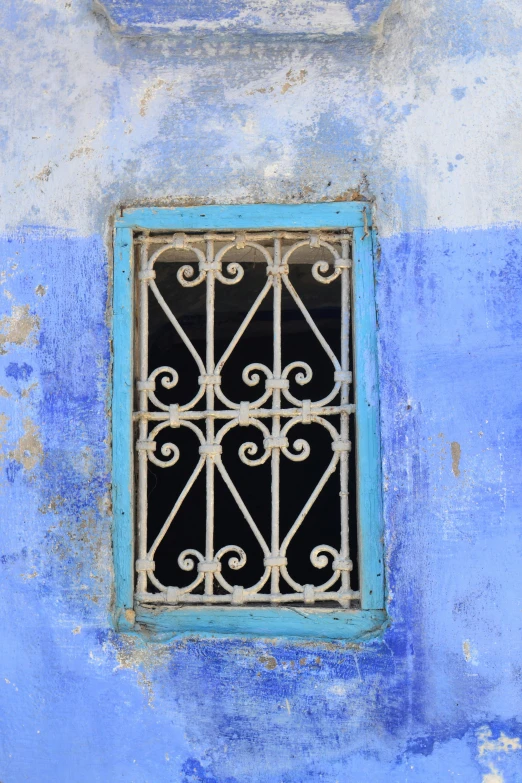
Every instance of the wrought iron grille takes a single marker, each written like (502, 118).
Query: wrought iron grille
(200, 259)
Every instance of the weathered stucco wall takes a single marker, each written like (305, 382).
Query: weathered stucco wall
(420, 111)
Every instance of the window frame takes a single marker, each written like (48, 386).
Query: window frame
(252, 621)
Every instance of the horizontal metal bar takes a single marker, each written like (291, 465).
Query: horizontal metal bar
(257, 598)
(254, 413)
(166, 239)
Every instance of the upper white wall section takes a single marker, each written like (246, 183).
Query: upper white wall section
(422, 113)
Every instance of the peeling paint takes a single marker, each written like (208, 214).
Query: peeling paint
(487, 747)
(293, 80)
(268, 661)
(32, 575)
(455, 458)
(142, 659)
(4, 420)
(28, 451)
(45, 173)
(493, 776)
(18, 328)
(470, 653)
(503, 744)
(151, 91)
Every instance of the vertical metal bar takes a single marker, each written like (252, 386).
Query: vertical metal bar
(369, 500)
(209, 530)
(276, 421)
(122, 428)
(345, 421)
(143, 347)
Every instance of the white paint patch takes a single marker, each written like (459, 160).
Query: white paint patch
(504, 744)
(338, 690)
(459, 149)
(488, 747)
(493, 776)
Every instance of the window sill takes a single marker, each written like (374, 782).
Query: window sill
(262, 622)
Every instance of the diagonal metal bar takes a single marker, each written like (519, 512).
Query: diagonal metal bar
(309, 503)
(242, 328)
(237, 497)
(310, 321)
(176, 507)
(177, 326)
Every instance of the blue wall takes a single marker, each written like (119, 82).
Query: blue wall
(438, 698)
(81, 703)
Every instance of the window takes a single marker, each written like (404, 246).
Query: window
(246, 460)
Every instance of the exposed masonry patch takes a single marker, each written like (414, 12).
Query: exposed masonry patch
(151, 91)
(293, 79)
(28, 451)
(18, 328)
(132, 653)
(268, 661)
(4, 420)
(138, 656)
(84, 146)
(470, 653)
(455, 458)
(45, 173)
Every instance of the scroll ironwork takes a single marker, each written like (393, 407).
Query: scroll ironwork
(275, 412)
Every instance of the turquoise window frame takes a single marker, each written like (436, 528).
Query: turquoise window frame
(265, 622)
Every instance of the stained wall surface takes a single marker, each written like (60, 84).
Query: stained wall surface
(417, 107)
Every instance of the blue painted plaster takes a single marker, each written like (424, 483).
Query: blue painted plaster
(459, 93)
(160, 16)
(80, 702)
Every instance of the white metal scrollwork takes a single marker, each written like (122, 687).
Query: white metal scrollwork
(267, 413)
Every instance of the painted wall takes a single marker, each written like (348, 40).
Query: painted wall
(418, 109)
